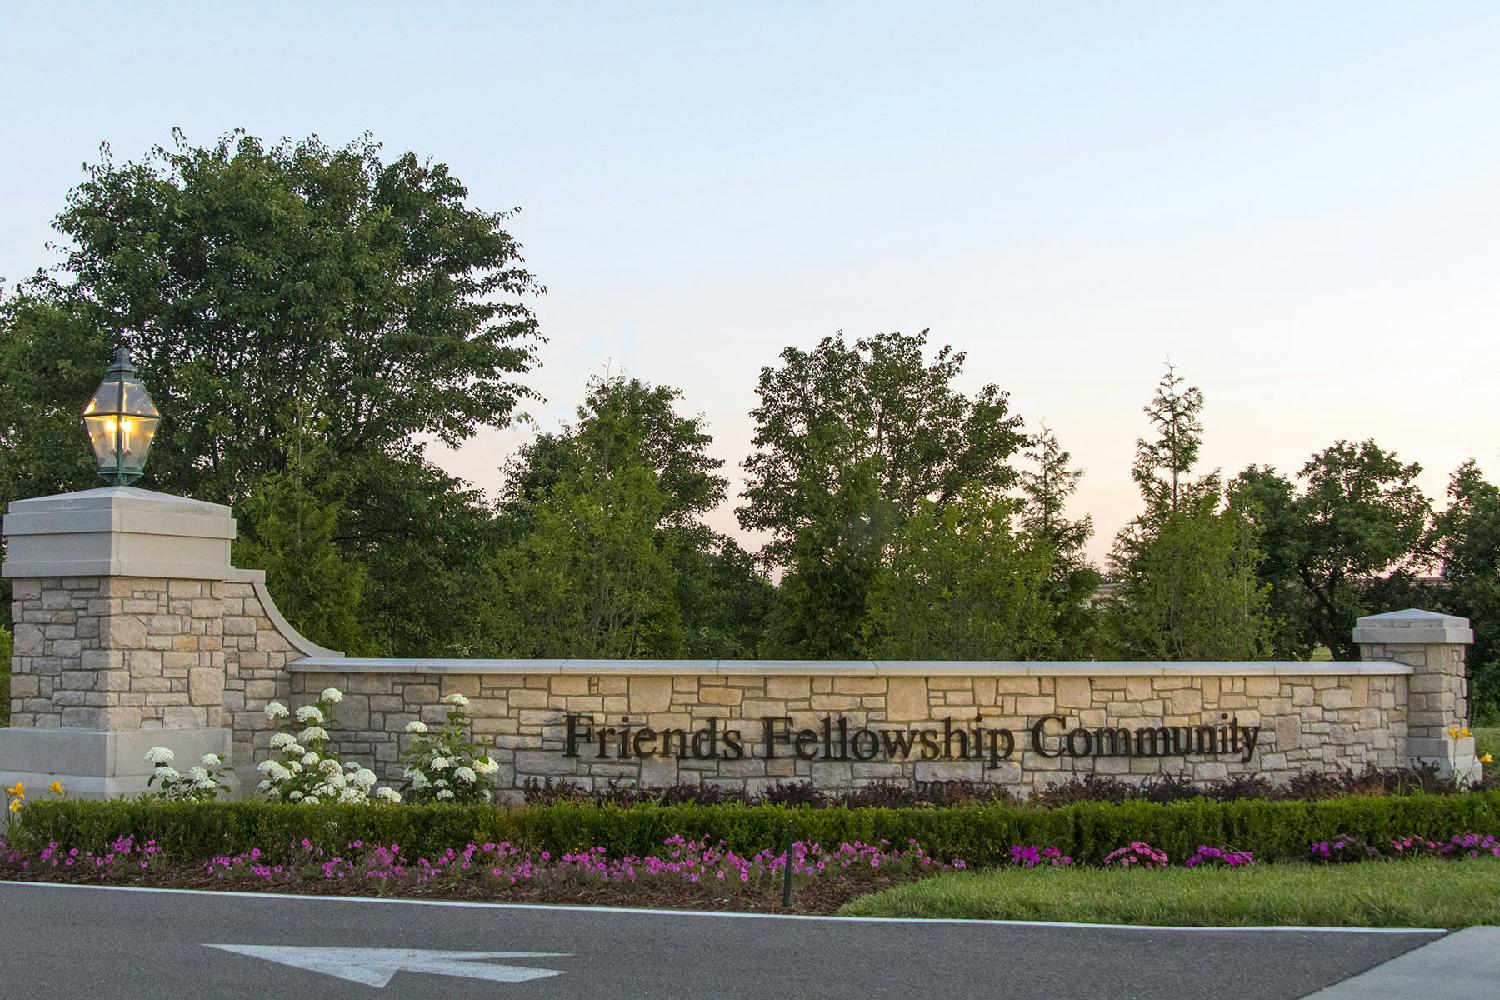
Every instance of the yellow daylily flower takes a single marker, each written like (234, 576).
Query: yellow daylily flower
(1453, 732)
(55, 788)
(15, 805)
(1465, 732)
(18, 790)
(1488, 758)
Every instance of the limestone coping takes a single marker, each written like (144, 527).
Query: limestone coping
(117, 531)
(842, 668)
(1413, 627)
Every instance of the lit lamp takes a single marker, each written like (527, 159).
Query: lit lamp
(121, 421)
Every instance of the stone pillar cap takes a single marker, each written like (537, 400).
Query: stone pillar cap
(1413, 627)
(118, 531)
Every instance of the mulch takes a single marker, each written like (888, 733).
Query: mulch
(820, 896)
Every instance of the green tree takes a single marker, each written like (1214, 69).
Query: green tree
(1342, 545)
(1269, 500)
(1190, 591)
(590, 579)
(630, 479)
(822, 601)
(265, 291)
(1466, 540)
(1185, 568)
(722, 598)
(316, 585)
(1047, 484)
(960, 585)
(1162, 463)
(850, 439)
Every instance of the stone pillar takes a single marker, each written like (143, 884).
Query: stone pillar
(1434, 646)
(118, 606)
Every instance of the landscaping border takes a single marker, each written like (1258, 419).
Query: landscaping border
(980, 834)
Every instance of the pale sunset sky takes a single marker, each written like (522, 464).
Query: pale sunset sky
(1297, 204)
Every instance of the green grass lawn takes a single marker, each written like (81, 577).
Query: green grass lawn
(1371, 894)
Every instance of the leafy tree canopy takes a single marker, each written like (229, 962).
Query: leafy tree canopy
(961, 585)
(258, 286)
(1466, 541)
(1357, 518)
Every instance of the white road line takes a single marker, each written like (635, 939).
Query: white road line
(722, 914)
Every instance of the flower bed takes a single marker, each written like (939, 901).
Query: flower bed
(680, 873)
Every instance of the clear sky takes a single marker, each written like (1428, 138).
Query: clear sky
(1298, 204)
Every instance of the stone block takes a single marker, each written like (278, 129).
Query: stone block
(789, 688)
(1074, 692)
(205, 686)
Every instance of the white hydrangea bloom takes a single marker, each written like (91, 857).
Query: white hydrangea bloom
(486, 765)
(159, 755)
(456, 699)
(265, 766)
(438, 763)
(295, 797)
(416, 727)
(309, 759)
(166, 773)
(363, 778)
(264, 786)
(419, 780)
(336, 780)
(351, 766)
(294, 767)
(309, 714)
(211, 760)
(443, 793)
(275, 710)
(464, 774)
(329, 766)
(312, 734)
(331, 695)
(197, 773)
(311, 800)
(280, 740)
(293, 749)
(389, 795)
(206, 784)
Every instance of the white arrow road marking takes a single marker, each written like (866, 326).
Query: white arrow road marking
(376, 966)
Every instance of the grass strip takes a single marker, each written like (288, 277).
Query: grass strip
(1424, 893)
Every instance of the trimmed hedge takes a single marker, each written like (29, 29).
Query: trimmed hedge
(1273, 831)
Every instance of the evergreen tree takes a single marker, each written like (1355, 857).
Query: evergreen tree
(1185, 568)
(1046, 487)
(1190, 591)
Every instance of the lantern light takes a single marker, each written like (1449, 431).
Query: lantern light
(121, 421)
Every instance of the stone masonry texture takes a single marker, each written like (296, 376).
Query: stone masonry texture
(117, 653)
(1307, 723)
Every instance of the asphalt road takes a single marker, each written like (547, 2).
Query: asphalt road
(59, 941)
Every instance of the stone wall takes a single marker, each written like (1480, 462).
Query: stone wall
(117, 653)
(1314, 717)
(258, 645)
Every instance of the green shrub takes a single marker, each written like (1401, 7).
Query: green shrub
(981, 834)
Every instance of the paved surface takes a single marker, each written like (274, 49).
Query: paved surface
(62, 941)
(1464, 964)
